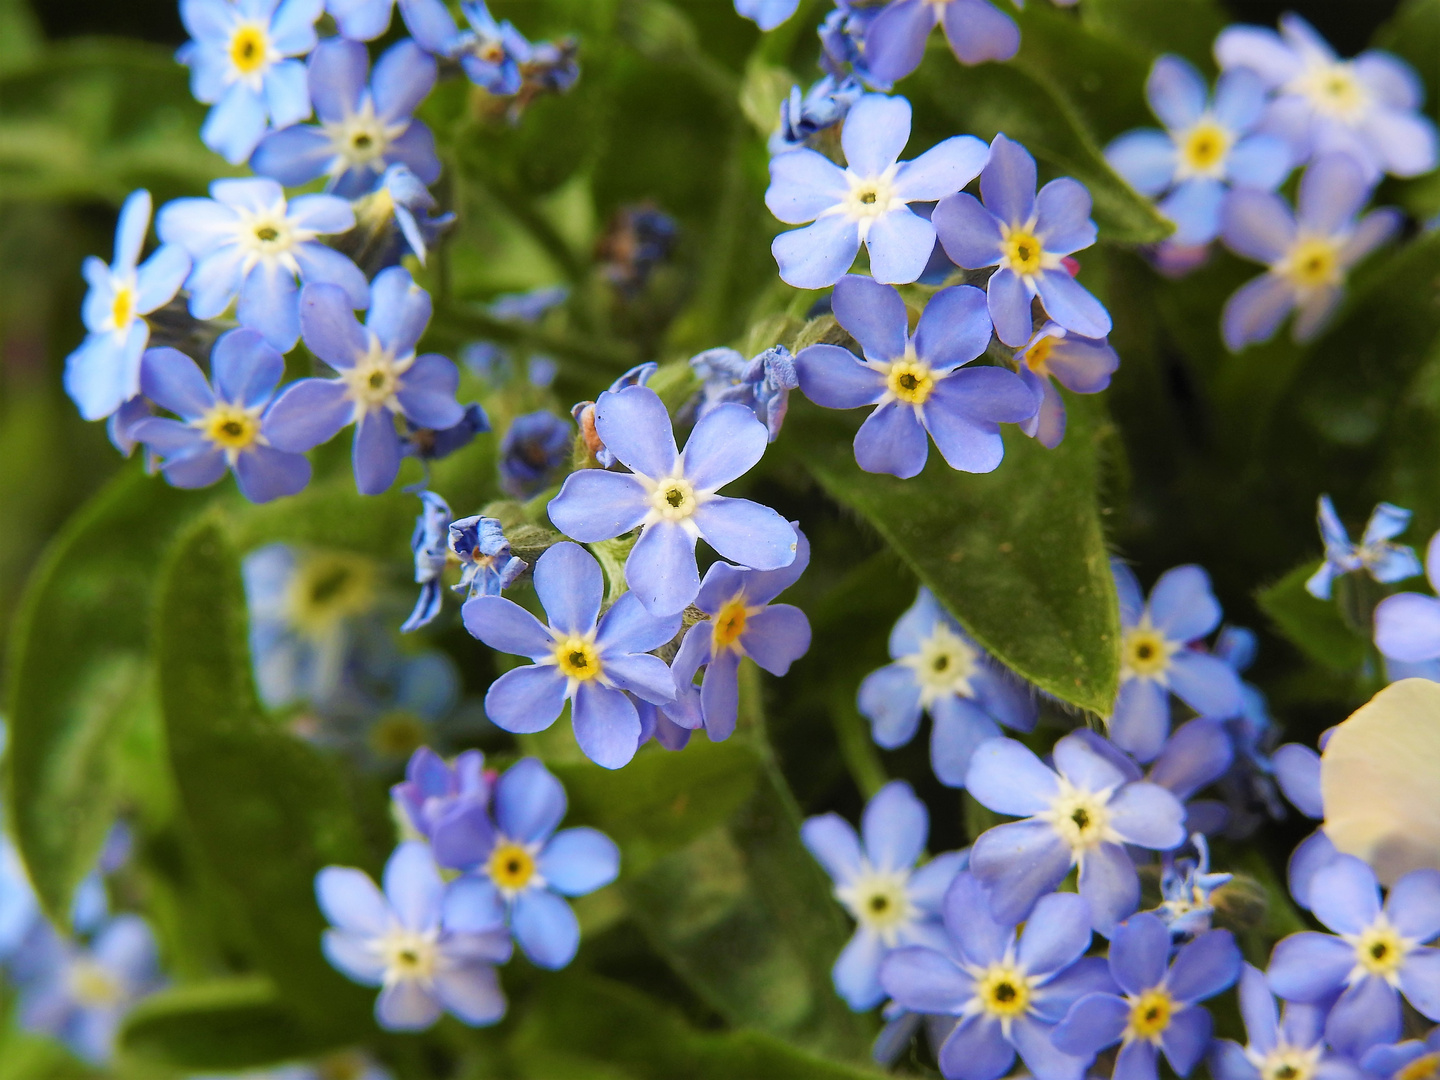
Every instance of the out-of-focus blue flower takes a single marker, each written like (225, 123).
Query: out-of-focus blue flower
(120, 427)
(1367, 108)
(79, 994)
(1185, 889)
(1412, 1059)
(976, 30)
(1158, 1008)
(434, 791)
(1157, 657)
(1196, 755)
(398, 940)
(583, 412)
(380, 377)
(520, 864)
(219, 429)
(939, 669)
(428, 444)
(246, 240)
(823, 106)
(1207, 146)
(762, 384)
(1082, 365)
(1280, 1044)
(487, 567)
(636, 241)
(1080, 813)
(401, 204)
(241, 61)
(868, 202)
(1407, 625)
(767, 14)
(1309, 255)
(1375, 955)
(363, 129)
(671, 497)
(842, 42)
(534, 447)
(742, 623)
(103, 374)
(576, 658)
(19, 909)
(1382, 560)
(893, 903)
(1026, 236)
(531, 306)
(919, 384)
(491, 52)
(361, 20)
(430, 546)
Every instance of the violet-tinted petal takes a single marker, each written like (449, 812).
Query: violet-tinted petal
(404, 76)
(895, 40)
(546, 928)
(803, 185)
(926, 981)
(265, 473)
(1007, 777)
(406, 1006)
(856, 973)
(596, 505)
(628, 628)
(892, 440)
(873, 314)
(661, 568)
(835, 378)
(376, 453)
(743, 532)
(942, 170)
(1256, 310)
(894, 826)
(875, 132)
(1420, 981)
(1257, 225)
(324, 265)
(1041, 1056)
(1176, 92)
(1145, 158)
(1407, 627)
(527, 699)
(720, 696)
(635, 427)
(978, 31)
(399, 310)
(570, 586)
(1141, 720)
(954, 328)
(816, 256)
(1007, 184)
(579, 861)
(1149, 815)
(1063, 218)
(173, 381)
(307, 413)
(1057, 934)
(1198, 754)
(1080, 761)
(776, 637)
(198, 469)
(1019, 862)
(890, 699)
(338, 73)
(505, 626)
(968, 231)
(350, 900)
(960, 727)
(1110, 886)
(426, 393)
(900, 244)
(1186, 1037)
(246, 369)
(472, 993)
(1093, 1023)
(1345, 895)
(1366, 1014)
(726, 443)
(976, 1050)
(645, 676)
(607, 727)
(1332, 191)
(1308, 966)
(1072, 305)
(1413, 905)
(329, 326)
(835, 845)
(966, 444)
(1009, 302)
(1139, 953)
(413, 887)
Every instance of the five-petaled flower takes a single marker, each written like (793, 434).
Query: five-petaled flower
(1082, 365)
(1282, 1046)
(975, 29)
(489, 51)
(1375, 554)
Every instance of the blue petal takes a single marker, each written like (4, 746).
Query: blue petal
(1182, 604)
(890, 699)
(892, 440)
(1309, 856)
(245, 368)
(235, 125)
(607, 727)
(816, 256)
(1062, 218)
(1257, 225)
(628, 628)
(1198, 754)
(968, 231)
(1009, 302)
(1204, 967)
(1136, 1061)
(895, 826)
(1205, 683)
(529, 802)
(404, 76)
(1194, 207)
(895, 39)
(307, 413)
(1041, 1056)
(1008, 778)
(875, 132)
(1407, 627)
(264, 473)
(175, 382)
(743, 532)
(977, 32)
(1056, 935)
(596, 505)
(269, 303)
(803, 185)
(472, 993)
(546, 928)
(873, 314)
(942, 170)
(976, 1050)
(1186, 1037)
(954, 328)
(1297, 770)
(661, 568)
(776, 637)
(399, 310)
(856, 973)
(1413, 905)
(1007, 184)
(960, 727)
(1176, 92)
(1110, 886)
(350, 900)
(1256, 310)
(835, 379)
(635, 427)
(835, 845)
(1145, 158)
(726, 443)
(1139, 953)
(1346, 896)
(1148, 815)
(413, 886)
(338, 73)
(1308, 966)
(376, 452)
(1332, 191)
(900, 244)
(570, 586)
(287, 95)
(926, 981)
(720, 696)
(1018, 862)
(1072, 305)
(526, 699)
(579, 861)
(1367, 1014)
(1259, 161)
(1093, 1023)
(1420, 981)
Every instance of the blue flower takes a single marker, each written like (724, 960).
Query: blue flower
(1408, 1060)
(530, 306)
(398, 211)
(429, 444)
(1382, 560)
(1407, 625)
(362, 130)
(380, 377)
(1158, 1007)
(1206, 148)
(1308, 256)
(222, 428)
(918, 383)
(1082, 365)
(583, 412)
(1375, 955)
(361, 20)
(120, 427)
(534, 447)
(1280, 1044)
(742, 623)
(520, 864)
(490, 52)
(104, 372)
(79, 994)
(976, 30)
(1156, 657)
(486, 565)
(767, 14)
(822, 107)
(434, 791)
(19, 909)
(761, 384)
(1186, 886)
(398, 940)
(842, 42)
(247, 241)
(1080, 813)
(868, 202)
(893, 903)
(637, 240)
(939, 669)
(429, 544)
(577, 659)
(1367, 108)
(671, 497)
(238, 63)
(1297, 771)
(1027, 236)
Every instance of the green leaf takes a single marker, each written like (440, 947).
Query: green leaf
(223, 1024)
(268, 811)
(79, 679)
(1017, 555)
(1316, 627)
(330, 514)
(1187, 27)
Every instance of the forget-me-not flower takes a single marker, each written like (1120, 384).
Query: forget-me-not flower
(1082, 365)
(430, 444)
(430, 547)
(222, 428)
(487, 567)
(363, 130)
(1080, 813)
(583, 412)
(804, 117)
(918, 383)
(435, 790)
(361, 20)
(398, 940)
(490, 52)
(767, 14)
(939, 669)
(104, 372)
(1008, 994)
(1375, 955)
(1412, 1059)
(975, 29)
(1027, 236)
(1158, 1007)
(246, 240)
(671, 496)
(1207, 147)
(867, 202)
(762, 384)
(1375, 554)
(1407, 625)
(576, 658)
(1186, 888)
(534, 447)
(1156, 657)
(1368, 107)
(380, 377)
(743, 622)
(1287, 1045)
(521, 864)
(242, 61)
(893, 903)
(1309, 254)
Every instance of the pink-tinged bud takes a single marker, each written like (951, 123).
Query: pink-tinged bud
(1071, 264)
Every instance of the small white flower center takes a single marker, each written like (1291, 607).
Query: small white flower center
(1081, 818)
(869, 197)
(1333, 90)
(268, 236)
(233, 428)
(943, 665)
(409, 955)
(878, 899)
(1286, 1062)
(360, 139)
(92, 986)
(1145, 652)
(373, 381)
(674, 499)
(1202, 150)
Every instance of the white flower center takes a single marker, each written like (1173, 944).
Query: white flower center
(869, 197)
(1312, 263)
(268, 236)
(1379, 950)
(1202, 150)
(943, 665)
(92, 986)
(879, 901)
(1022, 251)
(375, 378)
(409, 955)
(1333, 90)
(1286, 1062)
(360, 139)
(233, 428)
(1081, 818)
(673, 498)
(1145, 652)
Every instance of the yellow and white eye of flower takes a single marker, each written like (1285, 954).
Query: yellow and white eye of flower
(1380, 780)
(878, 900)
(869, 197)
(943, 665)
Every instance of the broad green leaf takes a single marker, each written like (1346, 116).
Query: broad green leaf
(1186, 27)
(79, 678)
(1315, 627)
(223, 1024)
(330, 513)
(267, 810)
(1017, 555)
(20, 37)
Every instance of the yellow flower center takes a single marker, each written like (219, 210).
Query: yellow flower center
(1037, 357)
(1425, 1067)
(1379, 950)
(122, 308)
(577, 658)
(408, 954)
(1080, 818)
(1144, 652)
(329, 587)
(346, 1065)
(877, 900)
(373, 380)
(231, 427)
(1203, 149)
(93, 986)
(1150, 1014)
(870, 197)
(1022, 251)
(1334, 90)
(249, 48)
(1003, 991)
(1285, 1062)
(910, 380)
(730, 623)
(674, 499)
(511, 867)
(1313, 263)
(943, 665)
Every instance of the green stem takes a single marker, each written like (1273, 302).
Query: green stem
(465, 320)
(857, 749)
